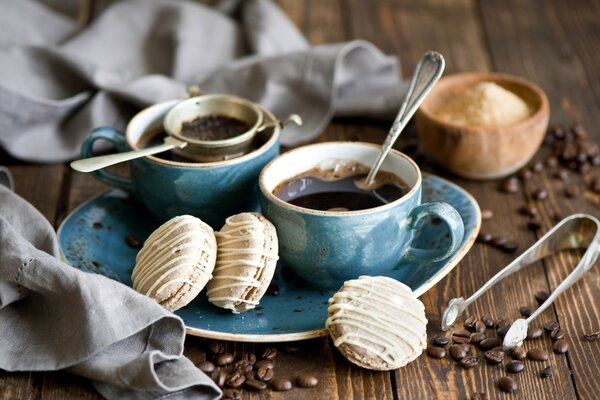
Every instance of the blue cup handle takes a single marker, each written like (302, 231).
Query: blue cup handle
(118, 140)
(453, 221)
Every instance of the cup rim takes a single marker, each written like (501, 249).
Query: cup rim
(197, 165)
(271, 197)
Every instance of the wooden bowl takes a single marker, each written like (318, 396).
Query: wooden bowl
(480, 152)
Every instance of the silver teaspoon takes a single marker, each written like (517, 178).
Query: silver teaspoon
(428, 72)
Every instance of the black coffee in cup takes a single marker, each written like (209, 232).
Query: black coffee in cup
(339, 188)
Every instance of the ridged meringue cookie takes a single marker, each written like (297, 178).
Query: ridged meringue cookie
(377, 323)
(176, 262)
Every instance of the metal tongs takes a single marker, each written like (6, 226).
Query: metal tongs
(578, 231)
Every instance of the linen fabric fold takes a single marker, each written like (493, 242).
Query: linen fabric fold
(55, 317)
(57, 83)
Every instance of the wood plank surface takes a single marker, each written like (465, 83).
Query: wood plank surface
(553, 43)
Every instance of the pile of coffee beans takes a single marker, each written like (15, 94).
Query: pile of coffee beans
(480, 342)
(249, 372)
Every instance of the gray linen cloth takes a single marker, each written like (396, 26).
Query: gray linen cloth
(53, 316)
(57, 83)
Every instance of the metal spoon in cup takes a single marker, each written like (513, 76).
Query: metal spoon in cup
(428, 72)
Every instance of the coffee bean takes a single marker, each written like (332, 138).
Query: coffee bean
(525, 311)
(534, 224)
(540, 194)
(529, 209)
(470, 322)
(488, 321)
(515, 366)
(592, 337)
(534, 333)
(469, 362)
(558, 132)
(484, 237)
(265, 374)
(306, 381)
(552, 162)
(221, 377)
(440, 340)
(557, 334)
(269, 353)
(486, 214)
(498, 241)
(542, 296)
(584, 168)
(550, 326)
(509, 246)
(235, 380)
(206, 366)
(224, 359)
(250, 375)
(537, 354)
(494, 356)
(571, 191)
(249, 357)
(255, 385)
(489, 343)
(458, 352)
(560, 346)
(525, 174)
(243, 366)
(581, 157)
(273, 289)
(538, 166)
(519, 353)
(217, 347)
(477, 337)
(507, 384)
(132, 241)
(546, 372)
(595, 160)
(263, 363)
(502, 331)
(461, 336)
(436, 352)
(281, 384)
(479, 327)
(510, 185)
(232, 394)
(569, 152)
(500, 322)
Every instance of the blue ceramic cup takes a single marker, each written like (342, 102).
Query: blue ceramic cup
(326, 248)
(211, 191)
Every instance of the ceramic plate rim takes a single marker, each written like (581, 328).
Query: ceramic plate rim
(316, 333)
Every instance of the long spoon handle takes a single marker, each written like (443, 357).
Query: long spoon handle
(428, 71)
(98, 162)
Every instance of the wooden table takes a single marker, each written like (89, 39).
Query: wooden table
(553, 43)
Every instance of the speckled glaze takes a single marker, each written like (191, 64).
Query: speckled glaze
(92, 238)
(211, 191)
(327, 248)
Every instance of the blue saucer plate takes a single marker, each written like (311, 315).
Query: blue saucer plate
(97, 237)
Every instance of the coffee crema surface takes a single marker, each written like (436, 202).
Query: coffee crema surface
(339, 188)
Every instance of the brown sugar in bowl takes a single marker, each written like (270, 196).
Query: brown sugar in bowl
(482, 152)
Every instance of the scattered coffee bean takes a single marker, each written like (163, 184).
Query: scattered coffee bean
(132, 241)
(595, 160)
(484, 237)
(552, 162)
(461, 336)
(477, 337)
(509, 246)
(263, 363)
(235, 380)
(546, 372)
(525, 174)
(217, 347)
(515, 366)
(525, 311)
(537, 354)
(306, 381)
(560, 346)
(557, 334)
(494, 356)
(498, 241)
(249, 357)
(592, 337)
(529, 209)
(584, 168)
(507, 384)
(436, 352)
(255, 385)
(233, 394)
(502, 331)
(470, 322)
(250, 375)
(486, 214)
(538, 166)
(489, 343)
(206, 366)
(440, 340)
(488, 321)
(458, 352)
(550, 326)
(265, 374)
(542, 296)
(534, 333)
(510, 185)
(281, 384)
(562, 174)
(540, 194)
(243, 366)
(534, 224)
(500, 322)
(224, 359)
(272, 289)
(221, 377)
(469, 362)
(519, 353)
(479, 327)
(571, 191)
(269, 353)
